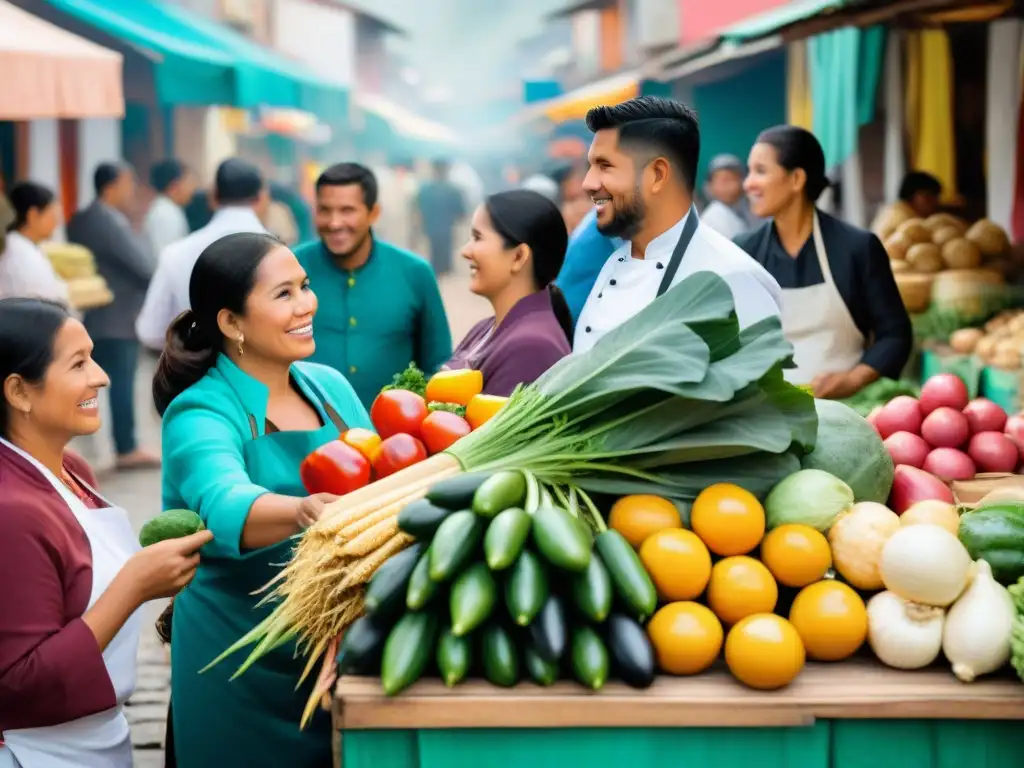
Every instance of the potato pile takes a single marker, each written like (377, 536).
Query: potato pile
(944, 241)
(998, 344)
(919, 249)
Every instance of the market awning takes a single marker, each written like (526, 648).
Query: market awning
(405, 122)
(199, 61)
(575, 104)
(50, 73)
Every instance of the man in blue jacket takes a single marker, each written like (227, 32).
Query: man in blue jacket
(588, 251)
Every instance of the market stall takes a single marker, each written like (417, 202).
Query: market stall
(841, 716)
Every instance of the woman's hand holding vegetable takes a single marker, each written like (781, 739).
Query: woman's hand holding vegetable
(159, 570)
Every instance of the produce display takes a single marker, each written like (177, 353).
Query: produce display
(945, 434)
(942, 261)
(657, 505)
(998, 343)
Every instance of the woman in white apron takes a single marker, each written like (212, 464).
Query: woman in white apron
(841, 308)
(72, 572)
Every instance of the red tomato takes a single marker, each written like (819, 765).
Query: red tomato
(398, 452)
(398, 411)
(441, 430)
(334, 467)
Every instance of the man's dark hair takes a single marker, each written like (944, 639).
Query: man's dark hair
(654, 127)
(918, 181)
(237, 181)
(106, 174)
(165, 173)
(347, 174)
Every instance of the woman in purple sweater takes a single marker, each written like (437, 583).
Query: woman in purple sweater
(515, 252)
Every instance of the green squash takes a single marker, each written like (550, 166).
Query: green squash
(995, 533)
(172, 524)
(849, 448)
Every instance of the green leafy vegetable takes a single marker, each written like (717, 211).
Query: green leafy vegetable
(1017, 636)
(411, 379)
(458, 410)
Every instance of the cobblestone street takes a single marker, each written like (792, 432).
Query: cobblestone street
(139, 493)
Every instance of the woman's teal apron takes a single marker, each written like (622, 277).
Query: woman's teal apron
(252, 721)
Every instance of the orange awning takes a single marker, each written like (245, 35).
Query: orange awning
(51, 73)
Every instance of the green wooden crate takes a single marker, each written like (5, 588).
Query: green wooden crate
(1003, 388)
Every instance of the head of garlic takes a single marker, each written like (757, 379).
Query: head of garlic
(976, 637)
(902, 634)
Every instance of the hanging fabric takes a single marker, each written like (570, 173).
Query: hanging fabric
(799, 109)
(930, 107)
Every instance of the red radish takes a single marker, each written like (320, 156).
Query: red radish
(944, 389)
(911, 485)
(950, 464)
(901, 414)
(945, 428)
(1015, 429)
(907, 448)
(994, 452)
(985, 416)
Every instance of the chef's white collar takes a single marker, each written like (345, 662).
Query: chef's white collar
(664, 244)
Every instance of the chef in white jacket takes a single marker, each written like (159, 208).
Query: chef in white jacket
(240, 198)
(642, 164)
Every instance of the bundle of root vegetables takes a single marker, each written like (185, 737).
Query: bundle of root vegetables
(675, 399)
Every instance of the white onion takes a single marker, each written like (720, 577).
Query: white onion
(904, 635)
(976, 638)
(925, 564)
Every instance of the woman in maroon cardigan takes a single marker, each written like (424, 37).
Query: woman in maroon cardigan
(72, 574)
(516, 250)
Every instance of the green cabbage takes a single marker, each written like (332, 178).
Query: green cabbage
(808, 497)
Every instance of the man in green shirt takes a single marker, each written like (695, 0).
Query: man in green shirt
(380, 306)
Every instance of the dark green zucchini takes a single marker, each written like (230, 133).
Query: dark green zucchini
(631, 651)
(472, 598)
(361, 647)
(526, 588)
(385, 594)
(421, 519)
(995, 533)
(506, 535)
(455, 542)
(454, 657)
(422, 588)
(592, 591)
(408, 651)
(456, 493)
(499, 492)
(540, 670)
(562, 539)
(548, 630)
(629, 577)
(589, 657)
(499, 654)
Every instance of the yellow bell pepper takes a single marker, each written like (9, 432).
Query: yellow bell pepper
(482, 408)
(458, 387)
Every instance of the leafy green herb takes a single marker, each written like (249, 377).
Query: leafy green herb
(1017, 635)
(458, 410)
(675, 399)
(411, 379)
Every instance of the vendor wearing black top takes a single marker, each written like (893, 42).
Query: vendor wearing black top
(841, 308)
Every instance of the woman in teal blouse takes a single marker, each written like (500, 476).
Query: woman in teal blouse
(241, 412)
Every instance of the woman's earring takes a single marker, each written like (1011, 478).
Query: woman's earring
(241, 339)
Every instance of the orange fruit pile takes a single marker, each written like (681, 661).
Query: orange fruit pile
(718, 584)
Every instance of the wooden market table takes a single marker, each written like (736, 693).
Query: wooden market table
(856, 714)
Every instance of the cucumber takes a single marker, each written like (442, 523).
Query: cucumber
(362, 644)
(422, 588)
(995, 533)
(631, 651)
(473, 596)
(421, 518)
(526, 588)
(589, 658)
(407, 651)
(540, 670)
(592, 591)
(454, 544)
(456, 493)
(548, 631)
(385, 594)
(498, 492)
(630, 578)
(501, 662)
(454, 656)
(506, 535)
(563, 540)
